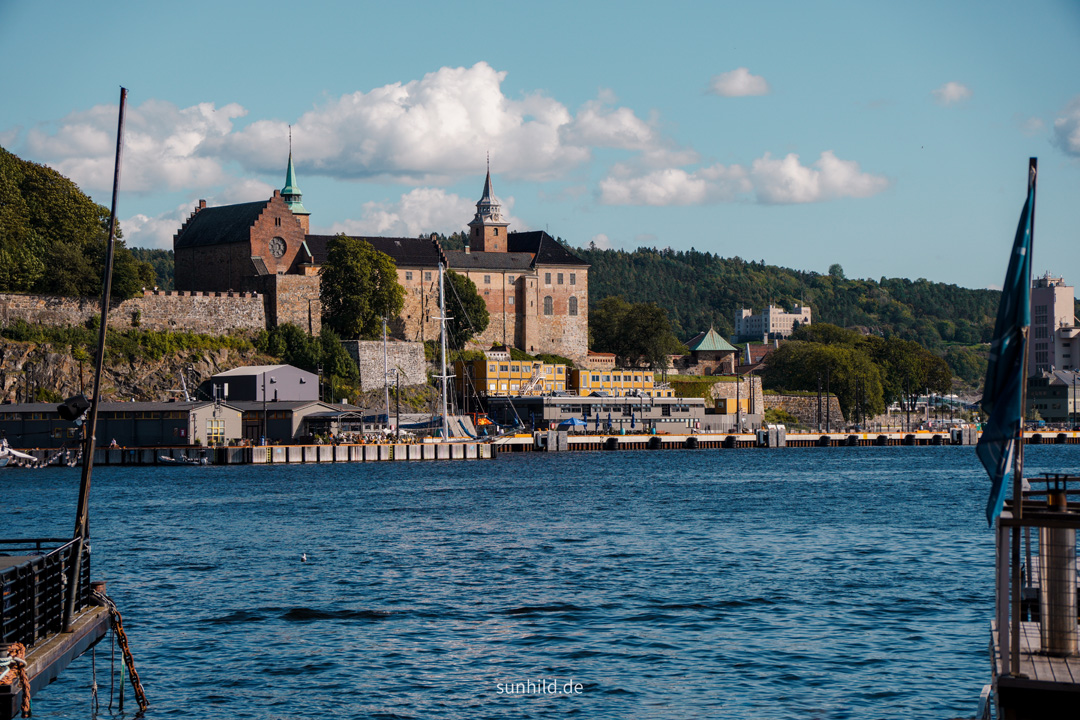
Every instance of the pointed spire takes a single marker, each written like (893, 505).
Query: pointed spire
(291, 193)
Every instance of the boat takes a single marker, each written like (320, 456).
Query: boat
(50, 612)
(8, 453)
(201, 460)
(1034, 650)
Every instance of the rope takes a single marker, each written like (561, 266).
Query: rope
(17, 658)
(129, 660)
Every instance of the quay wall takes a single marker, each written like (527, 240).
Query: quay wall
(805, 408)
(407, 358)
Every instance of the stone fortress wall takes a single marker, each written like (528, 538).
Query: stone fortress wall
(210, 312)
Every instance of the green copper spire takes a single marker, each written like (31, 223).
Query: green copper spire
(290, 193)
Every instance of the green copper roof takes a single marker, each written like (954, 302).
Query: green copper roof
(710, 341)
(291, 193)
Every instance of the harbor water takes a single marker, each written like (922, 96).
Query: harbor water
(794, 583)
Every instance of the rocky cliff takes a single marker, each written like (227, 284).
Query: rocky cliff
(48, 372)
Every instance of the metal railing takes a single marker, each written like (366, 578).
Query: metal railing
(1036, 570)
(34, 587)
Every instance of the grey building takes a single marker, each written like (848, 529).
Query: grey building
(637, 414)
(257, 383)
(1055, 395)
(130, 424)
(288, 421)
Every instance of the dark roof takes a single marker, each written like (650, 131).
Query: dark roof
(709, 341)
(545, 249)
(458, 260)
(220, 225)
(103, 406)
(406, 252)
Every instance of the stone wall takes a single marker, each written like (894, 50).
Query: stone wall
(405, 357)
(213, 313)
(292, 299)
(748, 387)
(805, 408)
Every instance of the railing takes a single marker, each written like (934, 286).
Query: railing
(1036, 570)
(34, 587)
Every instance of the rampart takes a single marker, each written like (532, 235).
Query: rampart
(805, 408)
(210, 312)
(407, 358)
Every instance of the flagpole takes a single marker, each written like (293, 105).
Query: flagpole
(1018, 468)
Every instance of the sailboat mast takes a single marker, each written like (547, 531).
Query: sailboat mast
(385, 373)
(82, 521)
(442, 344)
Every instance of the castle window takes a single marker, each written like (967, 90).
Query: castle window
(427, 277)
(547, 278)
(408, 275)
(496, 232)
(487, 279)
(510, 279)
(573, 278)
(277, 222)
(573, 306)
(548, 305)
(510, 300)
(560, 278)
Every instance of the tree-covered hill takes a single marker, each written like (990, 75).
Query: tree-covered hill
(53, 237)
(700, 289)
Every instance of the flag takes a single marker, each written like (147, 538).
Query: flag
(1003, 391)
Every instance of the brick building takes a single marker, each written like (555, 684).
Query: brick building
(536, 290)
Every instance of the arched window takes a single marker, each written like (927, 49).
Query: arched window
(573, 305)
(548, 307)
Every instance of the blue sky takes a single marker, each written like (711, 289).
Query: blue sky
(889, 137)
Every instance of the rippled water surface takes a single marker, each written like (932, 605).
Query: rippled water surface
(798, 583)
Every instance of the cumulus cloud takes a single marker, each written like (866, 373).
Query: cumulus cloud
(601, 242)
(440, 127)
(951, 93)
(1067, 129)
(422, 210)
(738, 83)
(160, 146)
(769, 181)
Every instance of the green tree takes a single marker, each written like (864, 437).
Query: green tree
(638, 333)
(466, 309)
(359, 288)
(852, 374)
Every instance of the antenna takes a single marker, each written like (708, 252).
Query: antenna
(290, 141)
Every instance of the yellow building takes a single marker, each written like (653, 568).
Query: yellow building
(617, 383)
(498, 375)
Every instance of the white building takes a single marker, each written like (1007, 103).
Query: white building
(1054, 342)
(770, 324)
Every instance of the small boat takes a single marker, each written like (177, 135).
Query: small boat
(201, 460)
(7, 454)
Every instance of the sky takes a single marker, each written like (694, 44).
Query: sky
(892, 138)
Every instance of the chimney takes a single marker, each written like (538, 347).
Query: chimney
(202, 205)
(466, 247)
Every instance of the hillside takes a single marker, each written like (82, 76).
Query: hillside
(702, 289)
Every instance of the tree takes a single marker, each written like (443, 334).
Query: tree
(359, 288)
(836, 271)
(852, 375)
(53, 237)
(638, 333)
(466, 309)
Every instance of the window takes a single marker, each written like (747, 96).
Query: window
(427, 277)
(560, 278)
(573, 306)
(547, 278)
(496, 232)
(487, 279)
(277, 222)
(510, 300)
(510, 279)
(573, 278)
(487, 292)
(503, 368)
(549, 308)
(596, 378)
(408, 275)
(491, 368)
(215, 432)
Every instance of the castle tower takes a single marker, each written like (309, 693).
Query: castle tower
(292, 195)
(487, 230)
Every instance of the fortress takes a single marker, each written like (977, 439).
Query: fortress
(536, 290)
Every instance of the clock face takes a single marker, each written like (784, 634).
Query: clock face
(277, 247)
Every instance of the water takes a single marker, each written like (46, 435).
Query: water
(798, 583)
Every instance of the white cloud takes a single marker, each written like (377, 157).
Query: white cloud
(601, 242)
(1029, 125)
(160, 146)
(769, 181)
(738, 83)
(1067, 129)
(951, 93)
(422, 210)
(440, 127)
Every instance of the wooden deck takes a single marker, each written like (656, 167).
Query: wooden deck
(1044, 686)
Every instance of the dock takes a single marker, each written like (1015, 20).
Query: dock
(33, 582)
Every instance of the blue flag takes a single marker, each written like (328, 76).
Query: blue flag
(1003, 393)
